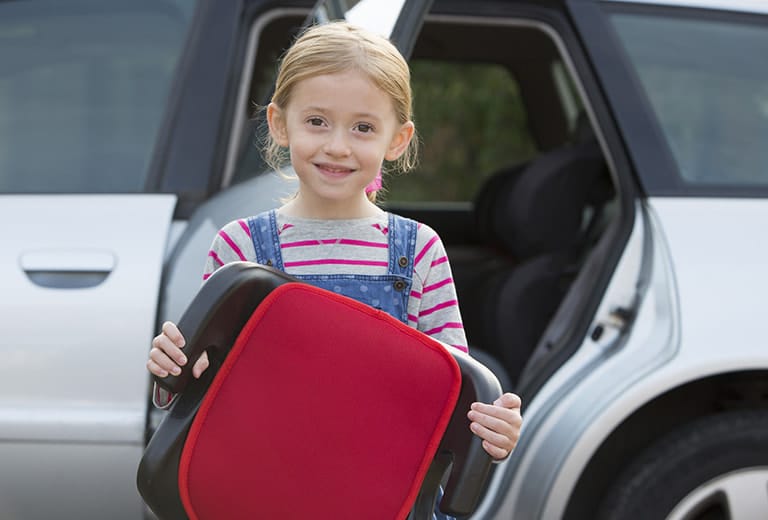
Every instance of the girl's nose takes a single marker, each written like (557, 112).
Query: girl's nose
(336, 145)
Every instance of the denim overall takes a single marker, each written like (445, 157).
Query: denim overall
(389, 292)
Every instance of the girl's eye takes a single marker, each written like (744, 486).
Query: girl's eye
(364, 128)
(315, 121)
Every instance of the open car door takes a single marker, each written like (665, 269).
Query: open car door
(81, 97)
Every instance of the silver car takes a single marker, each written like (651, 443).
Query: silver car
(598, 171)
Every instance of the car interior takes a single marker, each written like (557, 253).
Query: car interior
(533, 218)
(511, 173)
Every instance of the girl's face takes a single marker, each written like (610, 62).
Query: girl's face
(339, 129)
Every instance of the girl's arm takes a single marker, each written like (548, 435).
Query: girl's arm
(232, 243)
(433, 306)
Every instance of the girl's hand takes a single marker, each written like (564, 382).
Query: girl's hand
(498, 424)
(166, 355)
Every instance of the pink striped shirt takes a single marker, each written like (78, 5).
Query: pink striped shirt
(357, 246)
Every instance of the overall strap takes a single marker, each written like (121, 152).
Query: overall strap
(402, 245)
(266, 241)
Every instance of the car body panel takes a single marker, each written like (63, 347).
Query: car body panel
(73, 382)
(720, 258)
(70, 481)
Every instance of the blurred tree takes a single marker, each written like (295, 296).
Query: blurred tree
(471, 122)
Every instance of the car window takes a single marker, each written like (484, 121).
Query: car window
(707, 82)
(83, 86)
(471, 122)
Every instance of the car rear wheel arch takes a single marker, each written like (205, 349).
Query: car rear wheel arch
(668, 413)
(705, 470)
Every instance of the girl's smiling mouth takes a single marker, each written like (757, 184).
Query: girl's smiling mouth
(334, 170)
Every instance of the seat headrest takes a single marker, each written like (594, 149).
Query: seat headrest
(539, 207)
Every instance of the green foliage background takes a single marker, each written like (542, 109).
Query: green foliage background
(470, 121)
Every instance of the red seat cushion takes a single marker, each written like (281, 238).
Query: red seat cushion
(324, 406)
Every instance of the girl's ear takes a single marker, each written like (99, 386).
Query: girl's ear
(277, 127)
(400, 141)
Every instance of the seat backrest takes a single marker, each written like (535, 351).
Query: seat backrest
(320, 405)
(537, 215)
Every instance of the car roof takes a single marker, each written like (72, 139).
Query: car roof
(752, 6)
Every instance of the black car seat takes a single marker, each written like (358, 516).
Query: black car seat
(540, 217)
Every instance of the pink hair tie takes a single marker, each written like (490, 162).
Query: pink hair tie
(375, 184)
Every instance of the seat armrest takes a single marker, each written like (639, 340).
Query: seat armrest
(470, 463)
(241, 300)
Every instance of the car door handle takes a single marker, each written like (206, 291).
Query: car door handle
(67, 268)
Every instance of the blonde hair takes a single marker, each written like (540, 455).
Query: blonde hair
(338, 47)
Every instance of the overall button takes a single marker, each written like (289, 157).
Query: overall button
(403, 261)
(399, 285)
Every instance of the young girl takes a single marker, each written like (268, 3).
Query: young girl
(341, 107)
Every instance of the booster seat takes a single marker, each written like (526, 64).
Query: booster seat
(314, 406)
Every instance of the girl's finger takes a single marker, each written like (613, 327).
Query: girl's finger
(164, 344)
(172, 331)
(156, 369)
(200, 365)
(495, 451)
(509, 400)
(162, 360)
(492, 438)
(493, 423)
(508, 415)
